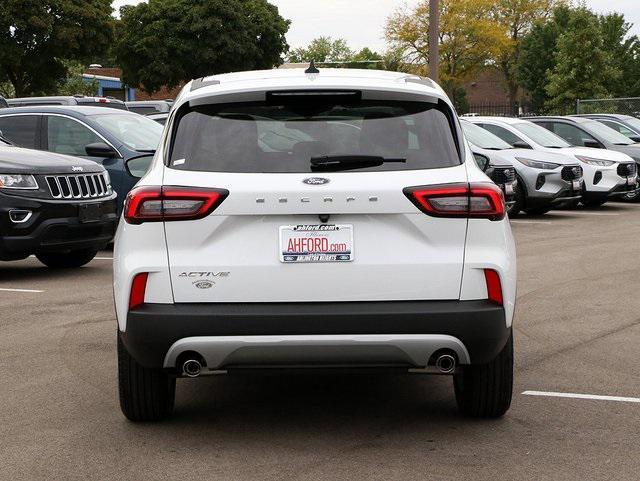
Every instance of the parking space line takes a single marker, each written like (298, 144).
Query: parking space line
(516, 221)
(35, 291)
(103, 258)
(582, 396)
(572, 212)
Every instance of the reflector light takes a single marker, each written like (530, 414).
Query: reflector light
(478, 201)
(138, 289)
(168, 203)
(494, 286)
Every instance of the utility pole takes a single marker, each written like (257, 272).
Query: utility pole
(434, 40)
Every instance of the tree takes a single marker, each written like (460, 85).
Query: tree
(469, 37)
(167, 42)
(536, 59)
(365, 55)
(517, 17)
(40, 35)
(74, 84)
(624, 51)
(583, 68)
(323, 49)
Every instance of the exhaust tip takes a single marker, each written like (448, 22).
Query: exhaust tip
(446, 363)
(191, 368)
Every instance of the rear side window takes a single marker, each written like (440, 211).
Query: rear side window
(570, 133)
(506, 135)
(22, 130)
(269, 137)
(66, 136)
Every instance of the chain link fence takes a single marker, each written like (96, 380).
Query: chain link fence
(627, 106)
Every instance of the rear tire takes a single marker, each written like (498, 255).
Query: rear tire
(67, 260)
(485, 391)
(145, 394)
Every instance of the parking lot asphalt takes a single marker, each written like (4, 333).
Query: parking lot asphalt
(577, 331)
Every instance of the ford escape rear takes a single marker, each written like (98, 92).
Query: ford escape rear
(296, 220)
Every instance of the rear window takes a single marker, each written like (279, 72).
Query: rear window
(268, 137)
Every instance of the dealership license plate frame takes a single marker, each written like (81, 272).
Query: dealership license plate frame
(335, 234)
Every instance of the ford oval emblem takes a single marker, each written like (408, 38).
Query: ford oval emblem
(316, 181)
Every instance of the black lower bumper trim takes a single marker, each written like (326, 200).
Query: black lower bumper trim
(153, 328)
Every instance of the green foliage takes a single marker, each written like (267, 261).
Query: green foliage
(39, 35)
(517, 18)
(365, 55)
(74, 84)
(323, 49)
(167, 42)
(577, 54)
(469, 37)
(624, 52)
(583, 68)
(537, 60)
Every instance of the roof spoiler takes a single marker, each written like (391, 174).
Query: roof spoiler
(203, 82)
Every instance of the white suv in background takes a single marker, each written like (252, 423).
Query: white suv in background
(607, 173)
(305, 219)
(545, 180)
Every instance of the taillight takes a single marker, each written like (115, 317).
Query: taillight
(169, 203)
(494, 286)
(478, 201)
(138, 289)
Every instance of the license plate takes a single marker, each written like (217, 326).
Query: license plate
(89, 213)
(631, 180)
(508, 189)
(316, 243)
(577, 185)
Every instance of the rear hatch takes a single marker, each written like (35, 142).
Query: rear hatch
(315, 209)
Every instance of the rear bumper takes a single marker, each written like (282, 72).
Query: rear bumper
(156, 334)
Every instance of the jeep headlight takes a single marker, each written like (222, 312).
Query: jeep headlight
(536, 164)
(18, 181)
(597, 162)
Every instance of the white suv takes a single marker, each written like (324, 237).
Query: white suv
(304, 219)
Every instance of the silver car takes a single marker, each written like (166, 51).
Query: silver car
(545, 180)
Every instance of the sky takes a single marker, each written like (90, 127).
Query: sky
(361, 22)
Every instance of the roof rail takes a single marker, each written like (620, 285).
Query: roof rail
(202, 82)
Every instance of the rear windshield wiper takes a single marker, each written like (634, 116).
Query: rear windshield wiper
(346, 162)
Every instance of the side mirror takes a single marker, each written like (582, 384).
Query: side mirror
(138, 166)
(591, 143)
(482, 161)
(521, 145)
(635, 138)
(100, 149)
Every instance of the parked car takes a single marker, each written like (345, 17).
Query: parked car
(585, 132)
(123, 142)
(62, 209)
(377, 243)
(148, 107)
(3, 103)
(607, 174)
(68, 100)
(160, 118)
(545, 180)
(501, 172)
(625, 124)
